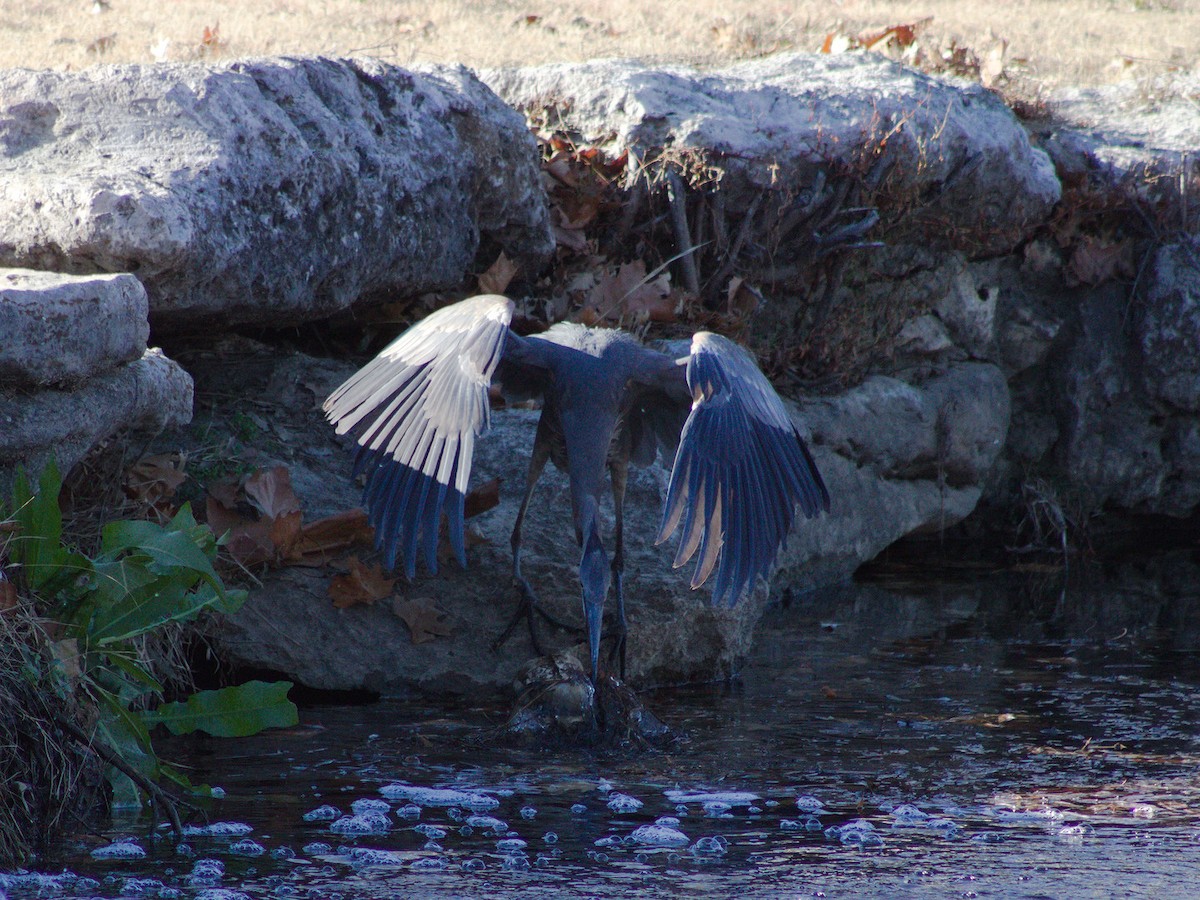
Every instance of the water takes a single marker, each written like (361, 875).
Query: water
(941, 737)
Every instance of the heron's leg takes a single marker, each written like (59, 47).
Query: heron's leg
(528, 605)
(620, 476)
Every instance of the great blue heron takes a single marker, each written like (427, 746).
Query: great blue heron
(740, 467)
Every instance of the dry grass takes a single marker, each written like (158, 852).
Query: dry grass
(1050, 42)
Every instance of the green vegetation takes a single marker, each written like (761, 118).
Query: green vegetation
(82, 660)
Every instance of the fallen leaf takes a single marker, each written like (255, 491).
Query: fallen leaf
(363, 584)
(482, 498)
(498, 276)
(319, 540)
(424, 620)
(154, 479)
(247, 540)
(271, 491)
(629, 293)
(8, 596)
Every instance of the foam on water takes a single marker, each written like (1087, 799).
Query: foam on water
(125, 849)
(623, 803)
(428, 796)
(729, 798)
(370, 823)
(218, 829)
(323, 813)
(658, 835)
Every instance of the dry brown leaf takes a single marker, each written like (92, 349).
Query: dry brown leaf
(628, 293)
(318, 540)
(271, 491)
(247, 540)
(498, 276)
(284, 532)
(482, 498)
(154, 479)
(8, 596)
(363, 584)
(424, 620)
(1094, 261)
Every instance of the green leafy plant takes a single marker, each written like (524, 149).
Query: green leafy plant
(145, 577)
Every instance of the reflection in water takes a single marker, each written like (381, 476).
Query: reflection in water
(999, 737)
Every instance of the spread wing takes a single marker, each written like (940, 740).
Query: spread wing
(740, 471)
(420, 405)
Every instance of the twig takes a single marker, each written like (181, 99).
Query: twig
(161, 798)
(683, 238)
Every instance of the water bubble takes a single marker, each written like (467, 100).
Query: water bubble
(710, 846)
(528, 812)
(208, 868)
(809, 804)
(137, 886)
(508, 845)
(681, 810)
(754, 810)
(607, 841)
(432, 846)
(217, 793)
(578, 809)
(907, 814)
(124, 849)
(365, 805)
(657, 835)
(433, 832)
(623, 803)
(812, 823)
(283, 853)
(184, 849)
(732, 798)
(409, 811)
(221, 894)
(316, 848)
(369, 856)
(428, 864)
(516, 861)
(1143, 811)
(716, 808)
(791, 825)
(487, 822)
(668, 821)
(466, 830)
(371, 823)
(550, 837)
(248, 847)
(473, 864)
(859, 832)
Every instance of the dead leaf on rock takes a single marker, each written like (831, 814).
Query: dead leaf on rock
(319, 540)
(363, 584)
(498, 276)
(1094, 261)
(424, 620)
(271, 491)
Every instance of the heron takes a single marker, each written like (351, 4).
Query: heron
(740, 467)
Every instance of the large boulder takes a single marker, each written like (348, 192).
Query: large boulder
(62, 329)
(75, 369)
(951, 154)
(267, 191)
(898, 457)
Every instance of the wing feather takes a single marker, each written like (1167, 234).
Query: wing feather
(741, 470)
(419, 405)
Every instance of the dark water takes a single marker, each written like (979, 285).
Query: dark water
(993, 736)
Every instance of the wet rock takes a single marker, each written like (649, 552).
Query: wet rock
(772, 123)
(61, 329)
(896, 456)
(264, 191)
(146, 395)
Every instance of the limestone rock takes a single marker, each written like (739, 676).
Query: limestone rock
(952, 150)
(62, 329)
(148, 394)
(897, 458)
(266, 191)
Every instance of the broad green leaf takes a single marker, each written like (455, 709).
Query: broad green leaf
(229, 712)
(167, 549)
